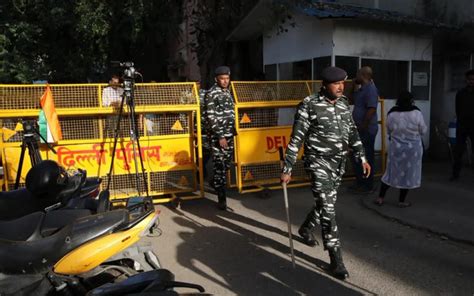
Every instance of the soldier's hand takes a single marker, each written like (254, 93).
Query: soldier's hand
(285, 178)
(367, 169)
(223, 143)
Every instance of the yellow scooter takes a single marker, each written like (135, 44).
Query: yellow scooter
(71, 251)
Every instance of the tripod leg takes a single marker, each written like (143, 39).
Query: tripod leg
(145, 181)
(33, 151)
(116, 134)
(135, 136)
(135, 142)
(20, 165)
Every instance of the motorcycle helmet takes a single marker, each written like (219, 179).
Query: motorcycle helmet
(46, 177)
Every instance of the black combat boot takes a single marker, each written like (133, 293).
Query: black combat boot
(337, 265)
(306, 231)
(221, 197)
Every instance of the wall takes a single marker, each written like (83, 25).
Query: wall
(409, 7)
(456, 12)
(390, 42)
(310, 38)
(353, 38)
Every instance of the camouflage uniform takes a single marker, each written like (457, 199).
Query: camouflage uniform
(220, 124)
(327, 131)
(204, 125)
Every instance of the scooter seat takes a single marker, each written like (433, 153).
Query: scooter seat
(22, 229)
(55, 220)
(21, 202)
(39, 254)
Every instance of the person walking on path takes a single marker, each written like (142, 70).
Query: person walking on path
(405, 127)
(365, 117)
(323, 122)
(465, 122)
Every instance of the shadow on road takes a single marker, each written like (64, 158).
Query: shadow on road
(381, 245)
(245, 262)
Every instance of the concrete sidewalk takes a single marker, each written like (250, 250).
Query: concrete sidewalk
(439, 206)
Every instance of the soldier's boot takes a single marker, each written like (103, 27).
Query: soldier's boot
(221, 197)
(306, 231)
(337, 267)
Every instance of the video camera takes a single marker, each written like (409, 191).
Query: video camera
(129, 71)
(30, 127)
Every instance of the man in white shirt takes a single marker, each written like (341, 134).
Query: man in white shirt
(112, 94)
(112, 97)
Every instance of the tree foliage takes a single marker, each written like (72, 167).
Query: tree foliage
(212, 21)
(74, 40)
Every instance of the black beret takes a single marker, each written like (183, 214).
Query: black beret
(333, 74)
(222, 70)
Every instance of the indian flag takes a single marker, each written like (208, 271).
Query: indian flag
(48, 118)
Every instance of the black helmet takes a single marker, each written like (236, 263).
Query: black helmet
(46, 177)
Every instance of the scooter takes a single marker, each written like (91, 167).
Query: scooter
(49, 186)
(72, 251)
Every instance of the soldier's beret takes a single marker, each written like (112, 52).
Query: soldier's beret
(222, 70)
(333, 74)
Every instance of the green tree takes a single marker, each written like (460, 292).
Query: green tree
(74, 41)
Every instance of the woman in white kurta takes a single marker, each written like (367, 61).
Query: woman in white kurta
(405, 127)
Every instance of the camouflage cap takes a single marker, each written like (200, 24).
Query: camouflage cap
(333, 74)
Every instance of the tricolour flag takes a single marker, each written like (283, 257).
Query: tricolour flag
(48, 118)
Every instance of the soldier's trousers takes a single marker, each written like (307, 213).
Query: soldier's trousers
(326, 175)
(222, 159)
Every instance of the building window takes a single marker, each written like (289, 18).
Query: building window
(285, 71)
(271, 72)
(390, 77)
(302, 70)
(319, 64)
(350, 64)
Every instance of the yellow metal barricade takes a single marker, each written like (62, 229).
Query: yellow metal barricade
(170, 135)
(264, 118)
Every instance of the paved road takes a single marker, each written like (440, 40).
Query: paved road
(440, 206)
(245, 252)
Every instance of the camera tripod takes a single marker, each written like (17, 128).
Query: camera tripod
(128, 98)
(30, 142)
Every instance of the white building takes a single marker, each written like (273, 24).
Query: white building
(398, 45)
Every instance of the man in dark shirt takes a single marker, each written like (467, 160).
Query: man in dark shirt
(365, 117)
(465, 122)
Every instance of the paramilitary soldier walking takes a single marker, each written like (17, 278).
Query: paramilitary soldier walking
(221, 128)
(324, 124)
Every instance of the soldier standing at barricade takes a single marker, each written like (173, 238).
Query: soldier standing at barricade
(221, 128)
(323, 122)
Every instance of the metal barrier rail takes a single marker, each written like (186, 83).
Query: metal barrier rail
(264, 118)
(170, 137)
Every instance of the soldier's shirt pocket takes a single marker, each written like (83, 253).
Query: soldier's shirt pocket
(222, 101)
(326, 120)
(346, 116)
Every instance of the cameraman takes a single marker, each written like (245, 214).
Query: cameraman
(112, 94)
